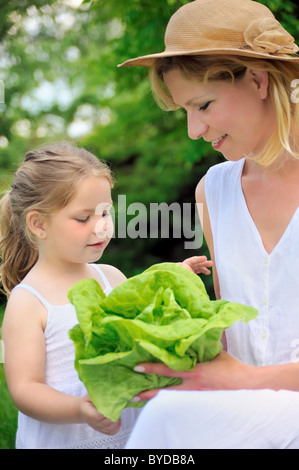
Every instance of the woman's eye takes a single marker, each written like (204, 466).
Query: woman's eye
(205, 106)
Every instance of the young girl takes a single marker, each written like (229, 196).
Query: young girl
(48, 242)
(234, 70)
(55, 224)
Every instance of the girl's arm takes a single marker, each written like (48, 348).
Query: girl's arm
(24, 343)
(114, 275)
(197, 264)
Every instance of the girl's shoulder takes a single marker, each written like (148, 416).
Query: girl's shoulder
(24, 308)
(25, 297)
(113, 274)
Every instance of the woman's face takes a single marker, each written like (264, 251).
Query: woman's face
(237, 119)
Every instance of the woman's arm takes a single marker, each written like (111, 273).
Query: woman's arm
(226, 373)
(200, 198)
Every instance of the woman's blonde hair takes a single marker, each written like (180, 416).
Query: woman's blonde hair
(207, 68)
(46, 181)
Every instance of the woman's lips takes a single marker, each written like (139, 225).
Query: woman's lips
(216, 144)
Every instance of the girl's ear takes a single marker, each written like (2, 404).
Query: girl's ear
(36, 223)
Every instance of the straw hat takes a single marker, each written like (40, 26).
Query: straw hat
(234, 27)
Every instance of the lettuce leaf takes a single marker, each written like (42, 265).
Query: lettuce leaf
(161, 315)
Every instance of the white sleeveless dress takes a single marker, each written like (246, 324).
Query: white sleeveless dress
(249, 275)
(240, 419)
(61, 375)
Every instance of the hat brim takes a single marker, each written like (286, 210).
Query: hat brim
(148, 60)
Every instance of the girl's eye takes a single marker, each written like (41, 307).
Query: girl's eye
(82, 221)
(205, 106)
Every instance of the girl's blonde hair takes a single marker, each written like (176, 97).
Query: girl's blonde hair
(46, 181)
(207, 68)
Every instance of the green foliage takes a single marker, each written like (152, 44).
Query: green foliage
(8, 415)
(8, 412)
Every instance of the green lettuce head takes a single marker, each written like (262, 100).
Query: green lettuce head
(162, 315)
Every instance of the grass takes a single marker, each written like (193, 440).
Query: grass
(8, 412)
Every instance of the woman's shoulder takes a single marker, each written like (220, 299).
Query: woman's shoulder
(225, 167)
(224, 173)
(214, 172)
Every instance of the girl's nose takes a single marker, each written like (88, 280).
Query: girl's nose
(196, 127)
(101, 228)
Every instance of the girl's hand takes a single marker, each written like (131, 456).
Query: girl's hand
(90, 415)
(197, 264)
(222, 373)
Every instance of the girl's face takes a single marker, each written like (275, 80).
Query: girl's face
(237, 119)
(80, 231)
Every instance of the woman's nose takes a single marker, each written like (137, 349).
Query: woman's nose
(196, 126)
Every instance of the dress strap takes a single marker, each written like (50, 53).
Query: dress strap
(45, 303)
(108, 287)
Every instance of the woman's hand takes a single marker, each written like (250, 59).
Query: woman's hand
(90, 415)
(222, 373)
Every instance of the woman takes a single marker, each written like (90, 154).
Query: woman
(233, 68)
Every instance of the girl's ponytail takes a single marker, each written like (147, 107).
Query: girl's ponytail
(17, 255)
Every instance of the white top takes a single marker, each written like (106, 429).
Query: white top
(62, 375)
(249, 275)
